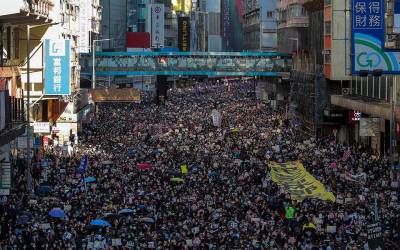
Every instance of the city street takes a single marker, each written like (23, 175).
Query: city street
(164, 177)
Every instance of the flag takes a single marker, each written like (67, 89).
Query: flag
(346, 155)
(184, 169)
(83, 165)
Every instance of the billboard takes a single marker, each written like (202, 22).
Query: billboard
(184, 33)
(368, 38)
(181, 5)
(57, 67)
(156, 24)
(396, 7)
(138, 40)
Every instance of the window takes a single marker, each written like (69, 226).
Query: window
(327, 56)
(8, 46)
(38, 86)
(270, 14)
(328, 2)
(328, 26)
(16, 43)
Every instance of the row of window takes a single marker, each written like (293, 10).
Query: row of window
(10, 42)
(293, 11)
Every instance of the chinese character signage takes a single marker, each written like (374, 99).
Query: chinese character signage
(84, 22)
(184, 34)
(156, 25)
(57, 67)
(368, 38)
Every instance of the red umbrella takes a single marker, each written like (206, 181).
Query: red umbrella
(144, 166)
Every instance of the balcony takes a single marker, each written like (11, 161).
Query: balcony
(26, 12)
(12, 124)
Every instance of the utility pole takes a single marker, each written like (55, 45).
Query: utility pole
(28, 147)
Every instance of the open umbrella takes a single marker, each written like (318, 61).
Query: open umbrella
(213, 174)
(45, 189)
(147, 220)
(90, 179)
(24, 218)
(144, 166)
(57, 213)
(173, 172)
(177, 180)
(126, 211)
(100, 223)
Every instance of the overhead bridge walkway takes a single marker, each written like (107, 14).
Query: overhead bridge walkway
(271, 64)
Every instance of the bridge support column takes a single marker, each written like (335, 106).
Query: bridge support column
(161, 89)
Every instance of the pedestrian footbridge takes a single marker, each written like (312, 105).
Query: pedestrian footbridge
(272, 64)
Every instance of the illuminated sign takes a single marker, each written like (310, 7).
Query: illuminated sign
(184, 34)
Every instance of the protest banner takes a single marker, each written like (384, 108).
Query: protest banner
(298, 182)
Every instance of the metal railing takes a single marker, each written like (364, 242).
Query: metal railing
(38, 7)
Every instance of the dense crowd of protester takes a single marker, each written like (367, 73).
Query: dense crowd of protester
(164, 177)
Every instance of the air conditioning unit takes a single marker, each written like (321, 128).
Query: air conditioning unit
(346, 91)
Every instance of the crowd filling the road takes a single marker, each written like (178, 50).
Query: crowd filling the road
(164, 177)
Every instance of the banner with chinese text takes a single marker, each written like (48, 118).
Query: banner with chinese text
(298, 182)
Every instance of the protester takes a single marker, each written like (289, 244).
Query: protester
(164, 177)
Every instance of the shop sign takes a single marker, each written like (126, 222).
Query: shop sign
(354, 116)
(55, 130)
(57, 67)
(41, 127)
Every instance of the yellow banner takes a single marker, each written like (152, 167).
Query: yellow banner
(298, 182)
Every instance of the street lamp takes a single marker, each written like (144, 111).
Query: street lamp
(28, 96)
(93, 57)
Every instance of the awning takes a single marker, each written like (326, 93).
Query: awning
(9, 71)
(115, 95)
(377, 109)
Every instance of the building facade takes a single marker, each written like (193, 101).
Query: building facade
(114, 25)
(50, 22)
(293, 21)
(260, 25)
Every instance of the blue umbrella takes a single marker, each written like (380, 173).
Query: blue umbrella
(57, 213)
(141, 206)
(213, 174)
(100, 223)
(24, 218)
(90, 179)
(126, 211)
(45, 189)
(147, 220)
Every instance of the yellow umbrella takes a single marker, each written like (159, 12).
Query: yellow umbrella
(235, 130)
(177, 179)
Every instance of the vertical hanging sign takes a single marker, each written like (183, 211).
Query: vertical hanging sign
(157, 25)
(57, 67)
(184, 33)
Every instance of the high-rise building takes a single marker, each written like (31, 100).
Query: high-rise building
(293, 21)
(232, 12)
(206, 20)
(260, 25)
(136, 15)
(114, 24)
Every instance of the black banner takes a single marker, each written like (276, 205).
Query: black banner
(374, 236)
(184, 33)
